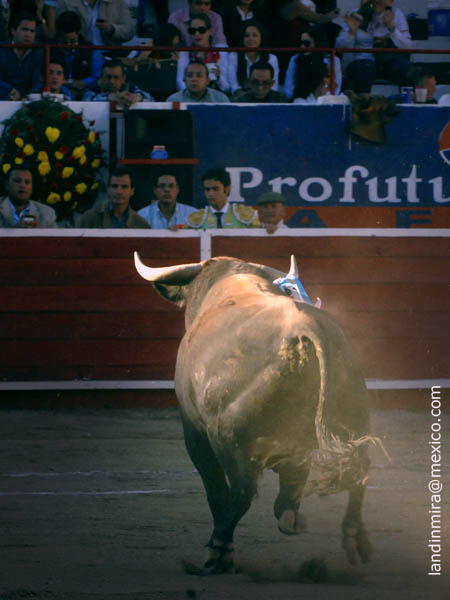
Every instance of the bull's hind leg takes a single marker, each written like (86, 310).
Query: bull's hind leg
(220, 499)
(355, 539)
(292, 482)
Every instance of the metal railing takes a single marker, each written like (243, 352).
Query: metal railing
(266, 49)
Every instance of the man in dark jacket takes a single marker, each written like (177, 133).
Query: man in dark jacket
(20, 68)
(115, 213)
(261, 82)
(84, 66)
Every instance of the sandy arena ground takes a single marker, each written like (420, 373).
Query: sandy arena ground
(105, 504)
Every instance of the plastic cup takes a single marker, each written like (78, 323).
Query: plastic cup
(421, 95)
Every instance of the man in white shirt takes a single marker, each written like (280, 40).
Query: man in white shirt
(166, 212)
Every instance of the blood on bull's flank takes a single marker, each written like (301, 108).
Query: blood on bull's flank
(266, 380)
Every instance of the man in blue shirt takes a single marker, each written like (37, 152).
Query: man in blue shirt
(113, 87)
(166, 212)
(20, 68)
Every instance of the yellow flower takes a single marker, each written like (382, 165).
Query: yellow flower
(67, 172)
(94, 186)
(19, 142)
(53, 198)
(28, 150)
(67, 196)
(59, 155)
(52, 134)
(42, 156)
(81, 188)
(44, 168)
(96, 163)
(6, 167)
(78, 151)
(92, 136)
(18, 160)
(83, 159)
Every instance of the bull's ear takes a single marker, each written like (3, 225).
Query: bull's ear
(173, 293)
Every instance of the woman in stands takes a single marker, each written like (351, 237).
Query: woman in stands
(316, 83)
(303, 64)
(236, 13)
(200, 32)
(376, 24)
(239, 63)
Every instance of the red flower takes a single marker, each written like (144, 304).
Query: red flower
(64, 115)
(64, 149)
(78, 118)
(30, 128)
(58, 165)
(21, 154)
(14, 131)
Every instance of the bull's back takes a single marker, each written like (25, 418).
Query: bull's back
(251, 359)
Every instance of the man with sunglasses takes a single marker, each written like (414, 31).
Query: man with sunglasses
(260, 83)
(182, 17)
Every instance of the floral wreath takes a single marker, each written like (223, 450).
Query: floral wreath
(64, 155)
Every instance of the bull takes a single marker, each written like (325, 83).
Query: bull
(265, 381)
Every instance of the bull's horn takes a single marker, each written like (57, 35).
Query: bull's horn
(175, 275)
(293, 271)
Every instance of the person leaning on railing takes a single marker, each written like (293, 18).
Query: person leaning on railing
(84, 65)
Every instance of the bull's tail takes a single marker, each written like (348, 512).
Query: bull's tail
(340, 461)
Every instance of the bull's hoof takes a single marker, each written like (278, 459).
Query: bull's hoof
(356, 543)
(220, 559)
(314, 570)
(291, 522)
(217, 567)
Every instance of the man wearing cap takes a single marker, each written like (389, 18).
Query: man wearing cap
(271, 211)
(220, 212)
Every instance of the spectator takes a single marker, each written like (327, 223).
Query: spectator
(272, 211)
(84, 66)
(57, 74)
(200, 31)
(155, 71)
(181, 19)
(239, 63)
(237, 13)
(316, 83)
(422, 78)
(151, 15)
(116, 212)
(375, 25)
(43, 11)
(166, 212)
(103, 22)
(260, 83)
(113, 86)
(197, 81)
(220, 213)
(17, 209)
(290, 18)
(302, 64)
(20, 68)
